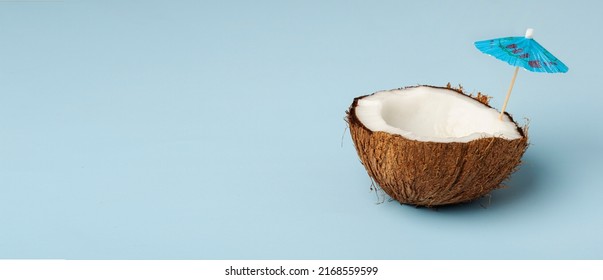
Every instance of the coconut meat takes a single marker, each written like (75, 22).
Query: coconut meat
(433, 114)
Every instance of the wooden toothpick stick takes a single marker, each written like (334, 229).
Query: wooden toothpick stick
(509, 93)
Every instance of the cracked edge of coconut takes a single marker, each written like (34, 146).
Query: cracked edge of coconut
(434, 114)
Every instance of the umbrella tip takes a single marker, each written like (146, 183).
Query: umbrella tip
(530, 33)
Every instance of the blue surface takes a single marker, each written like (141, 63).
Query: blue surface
(213, 129)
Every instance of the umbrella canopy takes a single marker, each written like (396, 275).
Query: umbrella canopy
(524, 52)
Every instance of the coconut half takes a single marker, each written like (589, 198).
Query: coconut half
(434, 146)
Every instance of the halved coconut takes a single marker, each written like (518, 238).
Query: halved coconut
(434, 146)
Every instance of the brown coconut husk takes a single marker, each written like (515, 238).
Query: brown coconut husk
(430, 173)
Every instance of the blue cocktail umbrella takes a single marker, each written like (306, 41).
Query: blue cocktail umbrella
(521, 52)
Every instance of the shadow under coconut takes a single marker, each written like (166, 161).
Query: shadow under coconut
(522, 184)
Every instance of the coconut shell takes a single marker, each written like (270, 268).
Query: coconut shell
(431, 173)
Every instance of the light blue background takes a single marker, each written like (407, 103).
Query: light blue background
(213, 129)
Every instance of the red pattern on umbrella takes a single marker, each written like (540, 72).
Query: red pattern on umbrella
(535, 63)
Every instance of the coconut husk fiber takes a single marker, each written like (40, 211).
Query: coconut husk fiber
(431, 173)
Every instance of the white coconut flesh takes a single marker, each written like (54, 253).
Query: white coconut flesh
(433, 115)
